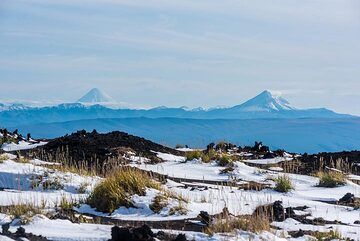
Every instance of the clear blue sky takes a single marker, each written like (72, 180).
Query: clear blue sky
(182, 52)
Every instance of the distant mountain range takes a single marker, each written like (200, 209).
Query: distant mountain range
(95, 104)
(266, 117)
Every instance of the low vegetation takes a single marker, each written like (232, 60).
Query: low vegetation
(3, 157)
(254, 223)
(225, 161)
(116, 190)
(162, 200)
(191, 155)
(331, 179)
(283, 184)
(327, 236)
(66, 204)
(83, 188)
(179, 209)
(23, 211)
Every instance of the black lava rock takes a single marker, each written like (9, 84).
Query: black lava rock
(278, 211)
(142, 233)
(205, 217)
(347, 198)
(180, 237)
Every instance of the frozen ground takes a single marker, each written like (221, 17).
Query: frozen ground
(16, 179)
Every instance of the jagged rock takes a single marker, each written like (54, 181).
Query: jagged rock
(275, 211)
(180, 237)
(205, 217)
(347, 198)
(278, 211)
(142, 233)
(20, 232)
(289, 212)
(120, 234)
(318, 221)
(269, 155)
(5, 228)
(298, 234)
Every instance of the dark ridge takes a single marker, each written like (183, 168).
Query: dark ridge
(91, 147)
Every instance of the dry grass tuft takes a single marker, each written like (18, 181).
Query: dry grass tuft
(116, 190)
(3, 157)
(225, 161)
(162, 200)
(331, 179)
(24, 212)
(254, 223)
(327, 236)
(191, 155)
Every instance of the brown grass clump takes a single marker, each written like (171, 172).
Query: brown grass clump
(179, 209)
(331, 179)
(191, 155)
(24, 212)
(162, 200)
(116, 190)
(327, 236)
(3, 157)
(253, 223)
(225, 160)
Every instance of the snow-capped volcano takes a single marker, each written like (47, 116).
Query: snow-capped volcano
(96, 96)
(266, 101)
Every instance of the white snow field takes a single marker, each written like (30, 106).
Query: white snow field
(22, 145)
(16, 181)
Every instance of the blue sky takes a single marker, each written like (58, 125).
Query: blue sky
(182, 52)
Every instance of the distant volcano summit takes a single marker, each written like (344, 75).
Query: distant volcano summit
(96, 96)
(266, 101)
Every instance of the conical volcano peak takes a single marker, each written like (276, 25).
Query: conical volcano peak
(266, 101)
(96, 96)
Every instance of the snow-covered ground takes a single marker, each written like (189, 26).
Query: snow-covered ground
(22, 145)
(17, 179)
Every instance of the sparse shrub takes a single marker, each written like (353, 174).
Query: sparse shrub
(225, 160)
(253, 223)
(65, 204)
(191, 155)
(160, 201)
(3, 157)
(209, 156)
(21, 159)
(35, 181)
(179, 209)
(116, 190)
(23, 211)
(283, 184)
(54, 184)
(83, 188)
(327, 236)
(331, 179)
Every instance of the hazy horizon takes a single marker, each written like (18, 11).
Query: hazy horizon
(182, 53)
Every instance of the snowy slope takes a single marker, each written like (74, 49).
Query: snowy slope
(96, 96)
(266, 101)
